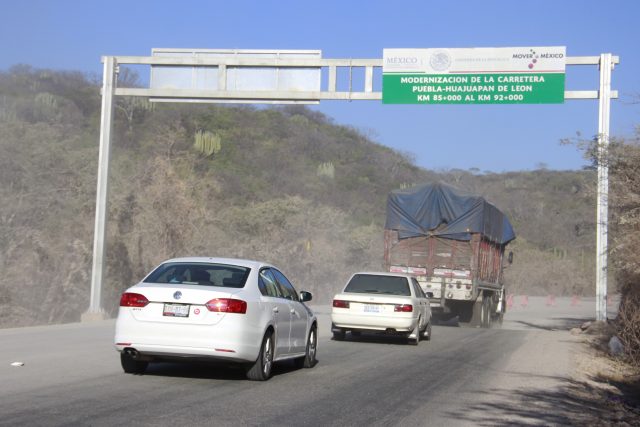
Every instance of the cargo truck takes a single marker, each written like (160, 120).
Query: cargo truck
(454, 244)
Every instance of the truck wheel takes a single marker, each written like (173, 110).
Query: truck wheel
(476, 314)
(485, 311)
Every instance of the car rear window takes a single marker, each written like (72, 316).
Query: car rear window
(223, 275)
(374, 284)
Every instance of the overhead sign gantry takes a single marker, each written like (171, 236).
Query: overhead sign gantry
(276, 76)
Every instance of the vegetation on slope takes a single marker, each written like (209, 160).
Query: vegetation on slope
(281, 184)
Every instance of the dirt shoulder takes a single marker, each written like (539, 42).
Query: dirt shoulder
(562, 375)
(608, 384)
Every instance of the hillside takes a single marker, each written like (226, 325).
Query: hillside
(282, 184)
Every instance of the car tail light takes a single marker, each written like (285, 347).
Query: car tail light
(468, 286)
(227, 305)
(130, 299)
(339, 303)
(404, 308)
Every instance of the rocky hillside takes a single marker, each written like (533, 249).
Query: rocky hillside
(282, 184)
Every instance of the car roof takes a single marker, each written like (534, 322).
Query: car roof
(384, 273)
(216, 260)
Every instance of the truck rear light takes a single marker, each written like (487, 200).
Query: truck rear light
(403, 308)
(338, 303)
(130, 299)
(227, 305)
(468, 286)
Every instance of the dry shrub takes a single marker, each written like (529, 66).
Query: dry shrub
(628, 322)
(625, 167)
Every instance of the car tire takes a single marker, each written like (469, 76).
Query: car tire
(416, 331)
(426, 334)
(338, 334)
(260, 370)
(132, 366)
(309, 359)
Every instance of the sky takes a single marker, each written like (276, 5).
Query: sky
(74, 34)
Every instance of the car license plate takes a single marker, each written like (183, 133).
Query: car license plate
(176, 310)
(371, 308)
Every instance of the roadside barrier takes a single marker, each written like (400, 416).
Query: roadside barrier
(575, 301)
(551, 300)
(524, 301)
(510, 301)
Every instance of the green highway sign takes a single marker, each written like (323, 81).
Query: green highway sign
(529, 75)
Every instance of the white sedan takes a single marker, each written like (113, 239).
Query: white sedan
(220, 309)
(382, 302)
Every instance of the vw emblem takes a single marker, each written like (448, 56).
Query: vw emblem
(177, 295)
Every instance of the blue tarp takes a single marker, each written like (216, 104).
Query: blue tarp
(420, 210)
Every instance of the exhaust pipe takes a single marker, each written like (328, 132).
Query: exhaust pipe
(132, 352)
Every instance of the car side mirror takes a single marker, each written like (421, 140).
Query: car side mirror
(510, 258)
(429, 295)
(305, 296)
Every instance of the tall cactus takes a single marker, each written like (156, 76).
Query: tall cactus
(208, 143)
(326, 169)
(47, 100)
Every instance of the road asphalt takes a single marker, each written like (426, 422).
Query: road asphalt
(71, 375)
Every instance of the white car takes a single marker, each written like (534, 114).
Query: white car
(382, 302)
(217, 309)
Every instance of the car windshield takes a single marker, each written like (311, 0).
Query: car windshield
(375, 284)
(228, 276)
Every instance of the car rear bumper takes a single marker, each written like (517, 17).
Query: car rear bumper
(373, 323)
(189, 353)
(228, 340)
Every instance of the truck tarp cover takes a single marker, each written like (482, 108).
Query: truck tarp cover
(420, 210)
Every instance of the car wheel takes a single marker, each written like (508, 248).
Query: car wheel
(426, 334)
(132, 366)
(309, 360)
(416, 333)
(261, 369)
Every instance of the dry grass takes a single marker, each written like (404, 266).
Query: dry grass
(611, 384)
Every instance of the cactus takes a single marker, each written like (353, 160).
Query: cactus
(208, 143)
(559, 253)
(7, 111)
(46, 100)
(326, 169)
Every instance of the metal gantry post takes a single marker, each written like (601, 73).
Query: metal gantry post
(222, 93)
(99, 240)
(602, 216)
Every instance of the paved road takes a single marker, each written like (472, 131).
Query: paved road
(72, 376)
